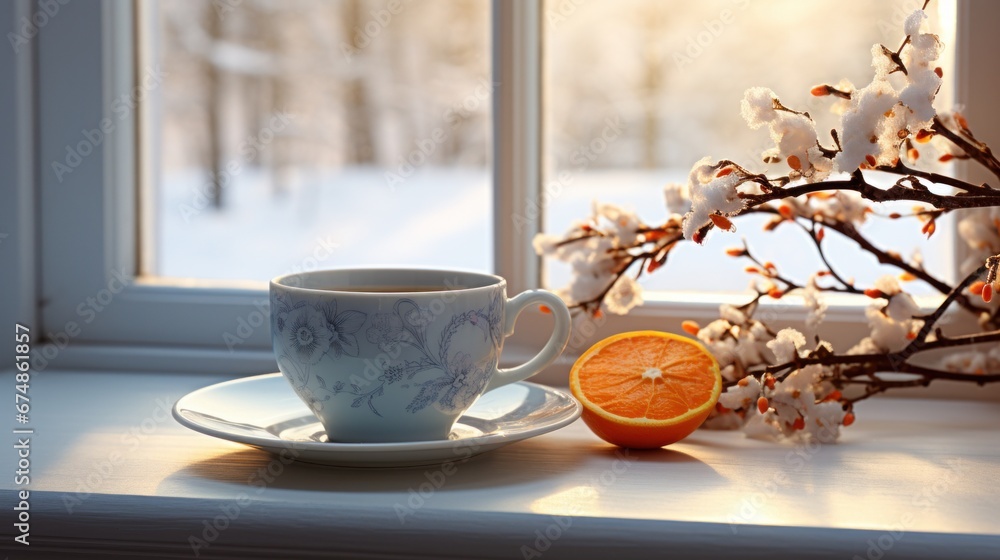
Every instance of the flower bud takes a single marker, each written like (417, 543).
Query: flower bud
(762, 405)
(722, 222)
(820, 91)
(690, 327)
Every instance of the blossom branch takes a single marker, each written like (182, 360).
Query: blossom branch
(975, 149)
(858, 184)
(848, 230)
(898, 361)
(774, 383)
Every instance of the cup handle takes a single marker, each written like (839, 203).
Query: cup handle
(549, 352)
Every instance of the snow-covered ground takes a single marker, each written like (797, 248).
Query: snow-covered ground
(442, 217)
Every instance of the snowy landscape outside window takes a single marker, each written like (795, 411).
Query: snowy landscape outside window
(274, 117)
(320, 134)
(637, 90)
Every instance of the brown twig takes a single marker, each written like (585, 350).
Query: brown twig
(975, 149)
(858, 184)
(871, 364)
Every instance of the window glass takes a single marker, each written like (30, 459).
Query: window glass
(639, 90)
(315, 134)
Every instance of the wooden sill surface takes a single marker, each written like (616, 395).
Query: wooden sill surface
(112, 471)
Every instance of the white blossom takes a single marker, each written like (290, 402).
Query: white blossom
(723, 421)
(545, 244)
(710, 194)
(977, 362)
(759, 331)
(887, 284)
(801, 381)
(966, 362)
(814, 302)
(622, 223)
(729, 372)
(902, 307)
(748, 349)
(823, 421)
(879, 112)
(793, 134)
(911, 26)
(864, 346)
(866, 119)
(583, 288)
(981, 229)
(624, 295)
(592, 264)
(762, 426)
(714, 330)
(732, 314)
(922, 81)
(891, 328)
(757, 107)
(844, 206)
(785, 346)
(678, 198)
(741, 396)
(724, 351)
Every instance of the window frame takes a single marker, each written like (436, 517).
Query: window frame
(88, 224)
(17, 154)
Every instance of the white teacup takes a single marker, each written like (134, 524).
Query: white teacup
(386, 355)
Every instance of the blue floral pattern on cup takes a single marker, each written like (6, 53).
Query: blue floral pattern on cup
(307, 332)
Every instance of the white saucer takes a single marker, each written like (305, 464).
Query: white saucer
(264, 412)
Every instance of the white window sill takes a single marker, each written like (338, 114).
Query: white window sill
(152, 484)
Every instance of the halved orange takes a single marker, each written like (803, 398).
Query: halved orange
(645, 389)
